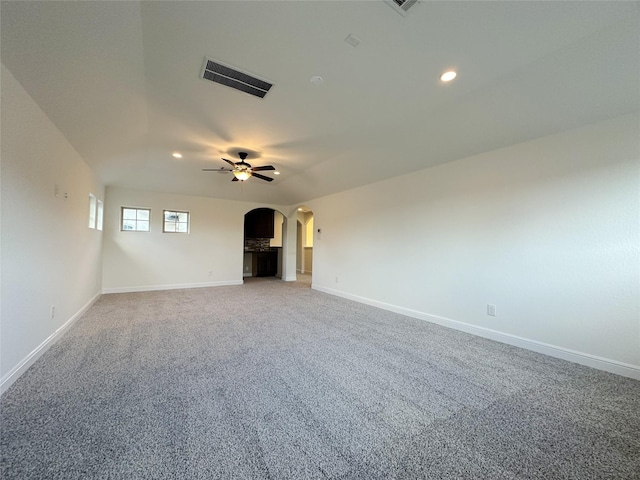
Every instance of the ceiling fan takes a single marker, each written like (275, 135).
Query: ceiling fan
(242, 170)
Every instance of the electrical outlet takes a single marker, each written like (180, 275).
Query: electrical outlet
(211, 273)
(336, 279)
(246, 268)
(491, 310)
(53, 311)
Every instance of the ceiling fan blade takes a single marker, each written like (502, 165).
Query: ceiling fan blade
(230, 162)
(260, 169)
(234, 179)
(261, 177)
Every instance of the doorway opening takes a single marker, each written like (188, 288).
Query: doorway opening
(304, 244)
(263, 241)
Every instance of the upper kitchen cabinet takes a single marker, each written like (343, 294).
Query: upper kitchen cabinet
(258, 223)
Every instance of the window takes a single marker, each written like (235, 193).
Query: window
(100, 215)
(92, 211)
(135, 219)
(176, 222)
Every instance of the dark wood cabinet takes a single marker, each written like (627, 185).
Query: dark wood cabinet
(258, 223)
(265, 264)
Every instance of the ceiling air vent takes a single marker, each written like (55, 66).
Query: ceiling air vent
(401, 6)
(229, 76)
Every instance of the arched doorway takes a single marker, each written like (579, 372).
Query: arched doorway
(264, 237)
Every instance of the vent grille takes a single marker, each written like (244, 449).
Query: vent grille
(401, 6)
(229, 76)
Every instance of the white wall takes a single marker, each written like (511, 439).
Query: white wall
(308, 236)
(49, 255)
(136, 261)
(547, 230)
(278, 220)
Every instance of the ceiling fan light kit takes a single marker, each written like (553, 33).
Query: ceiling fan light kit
(241, 175)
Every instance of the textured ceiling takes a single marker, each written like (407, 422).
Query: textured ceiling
(121, 81)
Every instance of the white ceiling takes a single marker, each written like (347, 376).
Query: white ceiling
(121, 81)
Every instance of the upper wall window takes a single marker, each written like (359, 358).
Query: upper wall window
(100, 215)
(92, 210)
(135, 219)
(175, 222)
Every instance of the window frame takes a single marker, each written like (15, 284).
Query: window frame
(176, 212)
(122, 219)
(99, 215)
(93, 202)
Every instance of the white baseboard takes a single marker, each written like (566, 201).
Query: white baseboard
(30, 359)
(178, 286)
(290, 278)
(605, 364)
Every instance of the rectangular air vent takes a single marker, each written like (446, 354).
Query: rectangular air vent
(229, 76)
(401, 6)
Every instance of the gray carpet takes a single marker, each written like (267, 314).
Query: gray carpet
(273, 380)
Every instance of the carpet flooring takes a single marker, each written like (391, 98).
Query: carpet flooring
(273, 380)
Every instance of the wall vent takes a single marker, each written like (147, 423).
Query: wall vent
(231, 77)
(401, 6)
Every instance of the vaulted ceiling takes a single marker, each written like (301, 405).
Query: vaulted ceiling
(121, 80)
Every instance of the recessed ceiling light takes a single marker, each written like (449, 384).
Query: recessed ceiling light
(177, 155)
(276, 173)
(448, 76)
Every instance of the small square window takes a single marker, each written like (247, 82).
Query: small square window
(175, 222)
(135, 219)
